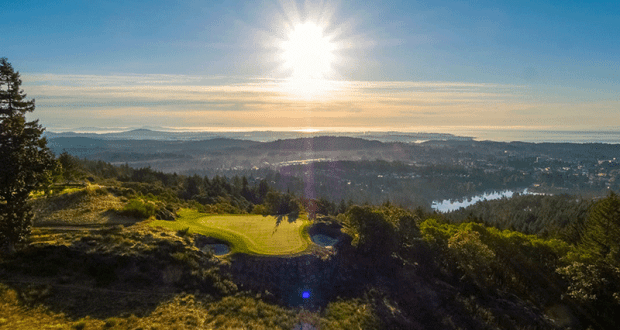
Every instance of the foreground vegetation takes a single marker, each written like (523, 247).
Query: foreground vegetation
(139, 278)
(401, 271)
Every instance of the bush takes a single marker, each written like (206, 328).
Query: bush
(372, 233)
(351, 314)
(139, 209)
(260, 209)
(97, 191)
(79, 325)
(183, 232)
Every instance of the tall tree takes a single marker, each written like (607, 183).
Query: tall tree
(372, 233)
(603, 229)
(25, 160)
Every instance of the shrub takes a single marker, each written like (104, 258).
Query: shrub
(351, 314)
(260, 209)
(373, 234)
(183, 232)
(110, 323)
(79, 325)
(139, 209)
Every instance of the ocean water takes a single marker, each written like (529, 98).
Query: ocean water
(612, 137)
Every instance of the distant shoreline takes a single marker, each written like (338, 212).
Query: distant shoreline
(408, 136)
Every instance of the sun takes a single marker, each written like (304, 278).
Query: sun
(308, 52)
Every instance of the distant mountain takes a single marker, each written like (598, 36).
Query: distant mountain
(221, 144)
(138, 134)
(87, 145)
(322, 143)
(414, 137)
(117, 150)
(261, 136)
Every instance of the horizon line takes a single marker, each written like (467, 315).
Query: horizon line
(336, 129)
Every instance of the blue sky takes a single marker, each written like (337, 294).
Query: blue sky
(551, 64)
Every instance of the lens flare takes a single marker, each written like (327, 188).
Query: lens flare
(308, 52)
(309, 47)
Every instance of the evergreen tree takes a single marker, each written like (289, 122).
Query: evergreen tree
(70, 167)
(24, 158)
(262, 190)
(193, 186)
(372, 233)
(245, 190)
(603, 229)
(342, 207)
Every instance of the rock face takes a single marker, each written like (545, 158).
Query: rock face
(202, 240)
(166, 214)
(307, 280)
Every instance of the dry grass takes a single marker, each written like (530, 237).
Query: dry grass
(181, 312)
(14, 315)
(89, 206)
(186, 311)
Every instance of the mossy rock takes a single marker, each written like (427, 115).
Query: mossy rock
(165, 214)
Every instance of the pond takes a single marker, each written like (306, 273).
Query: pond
(217, 249)
(451, 205)
(323, 240)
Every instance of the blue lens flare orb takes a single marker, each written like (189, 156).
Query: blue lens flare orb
(305, 294)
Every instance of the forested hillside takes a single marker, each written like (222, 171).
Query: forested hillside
(362, 170)
(530, 214)
(547, 262)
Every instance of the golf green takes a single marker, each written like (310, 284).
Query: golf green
(247, 233)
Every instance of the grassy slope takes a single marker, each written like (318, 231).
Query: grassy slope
(247, 233)
(189, 312)
(92, 205)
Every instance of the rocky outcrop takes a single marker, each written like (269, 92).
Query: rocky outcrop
(165, 214)
(287, 278)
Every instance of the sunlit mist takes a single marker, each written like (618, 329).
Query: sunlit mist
(310, 89)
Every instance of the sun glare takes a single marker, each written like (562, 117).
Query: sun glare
(308, 52)
(309, 55)
(310, 49)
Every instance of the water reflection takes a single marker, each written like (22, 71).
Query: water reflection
(323, 240)
(217, 249)
(450, 205)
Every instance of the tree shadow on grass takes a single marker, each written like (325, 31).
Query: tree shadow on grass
(290, 218)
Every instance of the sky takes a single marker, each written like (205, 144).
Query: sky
(358, 65)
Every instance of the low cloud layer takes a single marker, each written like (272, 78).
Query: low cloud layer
(71, 101)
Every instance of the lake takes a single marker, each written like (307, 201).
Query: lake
(448, 205)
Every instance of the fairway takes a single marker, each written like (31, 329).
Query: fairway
(247, 233)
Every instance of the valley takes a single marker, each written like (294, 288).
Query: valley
(360, 170)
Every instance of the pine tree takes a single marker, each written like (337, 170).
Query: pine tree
(603, 229)
(25, 160)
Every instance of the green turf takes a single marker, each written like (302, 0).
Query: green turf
(247, 233)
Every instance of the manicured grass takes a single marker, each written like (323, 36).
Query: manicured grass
(247, 233)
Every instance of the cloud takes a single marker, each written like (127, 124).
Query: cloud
(183, 100)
